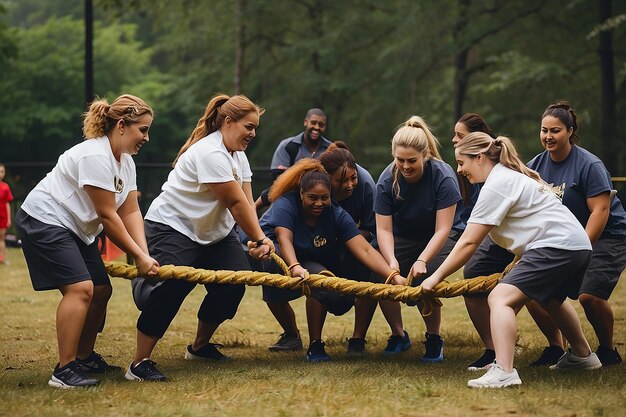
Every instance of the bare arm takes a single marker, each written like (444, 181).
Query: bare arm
(384, 235)
(247, 190)
(288, 252)
(233, 197)
(461, 253)
(599, 208)
(368, 256)
(8, 214)
(444, 219)
(115, 229)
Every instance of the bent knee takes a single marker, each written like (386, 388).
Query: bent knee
(589, 300)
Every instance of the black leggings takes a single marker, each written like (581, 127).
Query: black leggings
(220, 303)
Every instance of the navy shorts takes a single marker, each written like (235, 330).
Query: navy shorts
(607, 264)
(334, 302)
(545, 274)
(56, 257)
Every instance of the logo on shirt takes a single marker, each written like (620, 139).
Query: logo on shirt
(118, 184)
(319, 241)
(559, 190)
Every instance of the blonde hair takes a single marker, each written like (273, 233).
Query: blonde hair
(498, 150)
(290, 179)
(101, 116)
(415, 134)
(219, 107)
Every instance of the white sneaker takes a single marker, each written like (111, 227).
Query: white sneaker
(496, 377)
(571, 361)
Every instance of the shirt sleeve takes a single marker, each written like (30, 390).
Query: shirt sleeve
(246, 174)
(95, 170)
(213, 167)
(284, 214)
(597, 180)
(280, 160)
(383, 201)
(491, 207)
(448, 193)
(368, 217)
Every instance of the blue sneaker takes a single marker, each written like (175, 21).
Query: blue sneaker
(397, 344)
(316, 352)
(434, 348)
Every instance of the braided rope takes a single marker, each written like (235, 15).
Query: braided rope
(321, 281)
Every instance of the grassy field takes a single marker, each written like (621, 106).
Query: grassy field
(260, 383)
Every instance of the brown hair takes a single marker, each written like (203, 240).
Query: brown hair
(564, 112)
(101, 116)
(219, 107)
(338, 157)
(474, 123)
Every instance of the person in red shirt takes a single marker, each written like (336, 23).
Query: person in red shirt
(5, 211)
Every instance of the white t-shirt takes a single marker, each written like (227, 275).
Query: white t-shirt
(60, 199)
(186, 202)
(526, 214)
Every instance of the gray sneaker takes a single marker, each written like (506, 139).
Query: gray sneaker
(496, 377)
(571, 361)
(286, 343)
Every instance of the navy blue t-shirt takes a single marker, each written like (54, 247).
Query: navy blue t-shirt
(360, 205)
(580, 176)
(414, 214)
(321, 243)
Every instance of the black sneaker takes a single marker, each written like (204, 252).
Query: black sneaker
(145, 370)
(484, 362)
(356, 346)
(71, 376)
(608, 356)
(94, 363)
(434, 348)
(208, 352)
(316, 352)
(397, 344)
(549, 356)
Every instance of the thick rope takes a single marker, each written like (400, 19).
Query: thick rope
(321, 281)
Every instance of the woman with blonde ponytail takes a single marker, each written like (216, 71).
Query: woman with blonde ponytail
(522, 214)
(416, 223)
(192, 223)
(92, 187)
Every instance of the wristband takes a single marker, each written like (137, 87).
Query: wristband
(392, 274)
(293, 265)
(259, 243)
(421, 260)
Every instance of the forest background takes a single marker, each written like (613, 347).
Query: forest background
(369, 64)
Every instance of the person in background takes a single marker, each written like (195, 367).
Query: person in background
(5, 212)
(192, 223)
(416, 224)
(489, 257)
(93, 186)
(553, 247)
(584, 185)
(309, 144)
(311, 232)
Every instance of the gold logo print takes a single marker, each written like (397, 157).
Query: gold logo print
(118, 184)
(318, 242)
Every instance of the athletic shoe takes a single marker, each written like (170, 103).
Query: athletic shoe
(496, 377)
(549, 356)
(434, 348)
(94, 363)
(208, 352)
(145, 370)
(484, 362)
(316, 352)
(286, 343)
(71, 376)
(571, 361)
(356, 346)
(397, 344)
(608, 356)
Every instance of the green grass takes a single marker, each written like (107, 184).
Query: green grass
(260, 383)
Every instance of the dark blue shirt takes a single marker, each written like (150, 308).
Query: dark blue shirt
(580, 176)
(360, 205)
(414, 214)
(320, 243)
